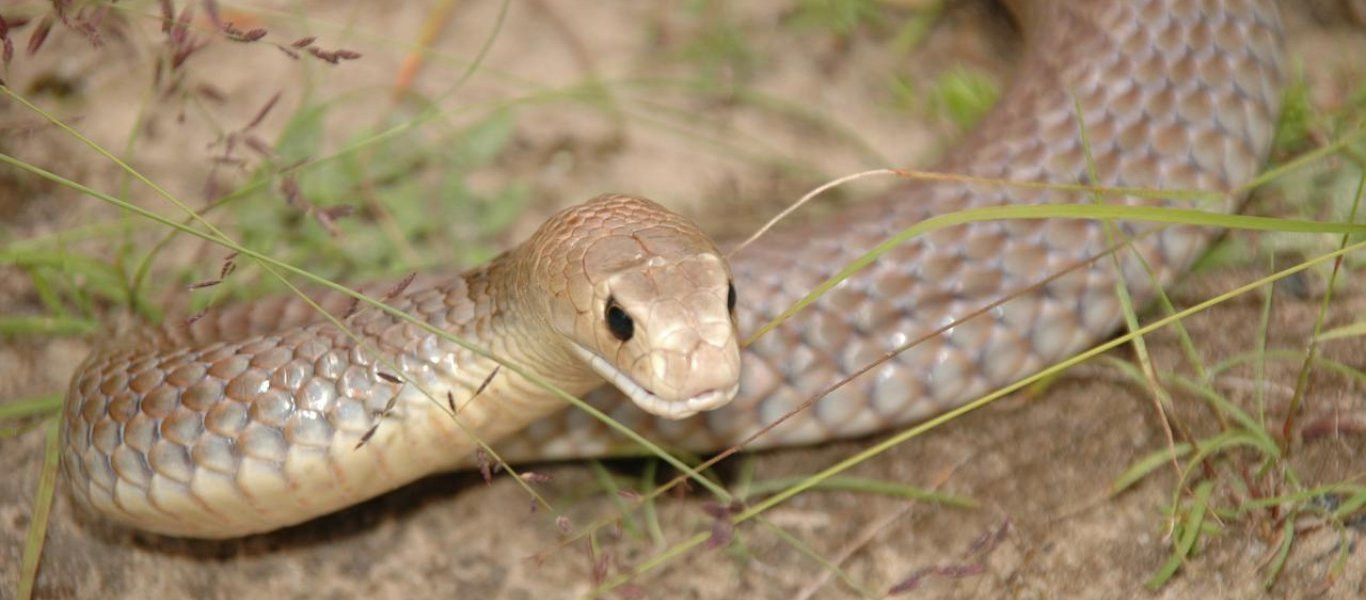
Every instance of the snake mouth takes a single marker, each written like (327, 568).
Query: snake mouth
(646, 399)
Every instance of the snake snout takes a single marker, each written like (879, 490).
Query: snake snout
(695, 362)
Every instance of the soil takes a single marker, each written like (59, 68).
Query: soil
(1039, 465)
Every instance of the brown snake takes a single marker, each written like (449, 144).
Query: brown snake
(250, 419)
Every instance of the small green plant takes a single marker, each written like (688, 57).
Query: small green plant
(722, 56)
(839, 17)
(964, 96)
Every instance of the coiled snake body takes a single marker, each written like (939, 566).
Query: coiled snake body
(251, 418)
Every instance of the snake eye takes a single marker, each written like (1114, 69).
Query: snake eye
(730, 298)
(618, 322)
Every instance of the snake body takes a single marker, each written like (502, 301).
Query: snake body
(249, 419)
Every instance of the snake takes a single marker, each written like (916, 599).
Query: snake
(268, 413)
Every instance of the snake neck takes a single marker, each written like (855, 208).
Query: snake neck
(511, 318)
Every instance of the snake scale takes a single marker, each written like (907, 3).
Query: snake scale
(253, 417)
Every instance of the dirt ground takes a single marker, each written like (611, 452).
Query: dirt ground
(1039, 465)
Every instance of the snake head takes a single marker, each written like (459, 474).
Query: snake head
(645, 300)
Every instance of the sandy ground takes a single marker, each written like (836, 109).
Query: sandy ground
(1038, 465)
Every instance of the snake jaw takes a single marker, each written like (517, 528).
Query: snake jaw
(646, 399)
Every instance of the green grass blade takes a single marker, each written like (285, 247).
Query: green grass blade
(829, 565)
(1146, 465)
(42, 508)
(647, 509)
(1190, 533)
(47, 326)
(1350, 506)
(871, 486)
(1352, 330)
(609, 485)
(1277, 563)
(46, 404)
(1248, 424)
